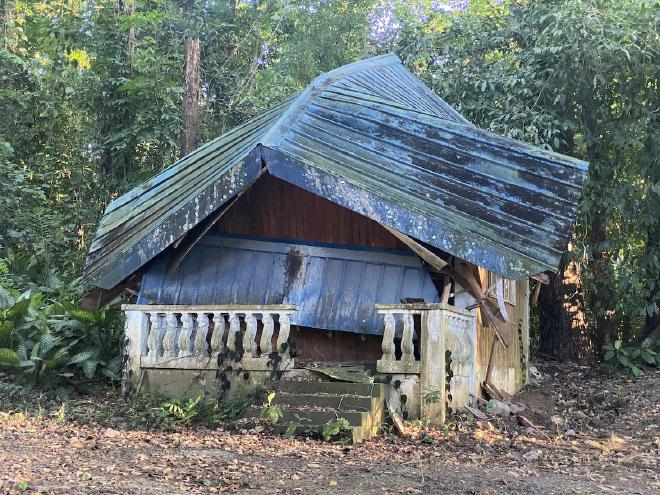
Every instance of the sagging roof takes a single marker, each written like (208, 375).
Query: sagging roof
(373, 138)
(334, 287)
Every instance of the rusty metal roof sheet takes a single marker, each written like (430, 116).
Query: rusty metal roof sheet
(371, 137)
(334, 287)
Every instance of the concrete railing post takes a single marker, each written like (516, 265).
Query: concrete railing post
(432, 367)
(136, 331)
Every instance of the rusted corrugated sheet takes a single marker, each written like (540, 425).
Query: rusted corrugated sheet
(371, 137)
(495, 202)
(334, 287)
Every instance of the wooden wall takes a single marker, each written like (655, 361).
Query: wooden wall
(274, 208)
(509, 365)
(323, 345)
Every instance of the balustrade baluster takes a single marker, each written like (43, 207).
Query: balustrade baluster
(201, 347)
(155, 339)
(234, 328)
(185, 335)
(388, 338)
(266, 343)
(169, 338)
(249, 344)
(219, 326)
(407, 347)
(283, 336)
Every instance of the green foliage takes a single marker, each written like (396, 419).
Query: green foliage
(432, 397)
(91, 96)
(51, 343)
(235, 403)
(335, 427)
(631, 358)
(293, 426)
(580, 78)
(207, 411)
(271, 411)
(186, 412)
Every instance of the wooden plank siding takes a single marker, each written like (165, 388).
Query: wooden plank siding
(509, 365)
(274, 208)
(324, 345)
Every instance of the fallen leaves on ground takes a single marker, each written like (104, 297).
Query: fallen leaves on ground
(592, 435)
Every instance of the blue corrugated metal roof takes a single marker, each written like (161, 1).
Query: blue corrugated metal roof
(145, 221)
(335, 288)
(371, 137)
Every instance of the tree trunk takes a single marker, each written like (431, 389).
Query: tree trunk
(601, 297)
(191, 110)
(564, 332)
(109, 161)
(7, 8)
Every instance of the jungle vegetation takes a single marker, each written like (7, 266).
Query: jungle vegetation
(98, 95)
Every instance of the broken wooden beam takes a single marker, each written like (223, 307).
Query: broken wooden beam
(435, 261)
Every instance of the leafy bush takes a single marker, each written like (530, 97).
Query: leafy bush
(631, 358)
(197, 410)
(48, 343)
(335, 427)
(271, 411)
(208, 411)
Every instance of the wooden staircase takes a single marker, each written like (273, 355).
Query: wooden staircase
(309, 405)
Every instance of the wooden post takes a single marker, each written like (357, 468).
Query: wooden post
(432, 367)
(523, 301)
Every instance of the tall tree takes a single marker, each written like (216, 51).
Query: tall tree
(190, 109)
(579, 77)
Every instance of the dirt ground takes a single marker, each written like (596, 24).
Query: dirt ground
(591, 434)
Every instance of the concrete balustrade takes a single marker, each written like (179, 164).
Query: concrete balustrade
(195, 337)
(440, 328)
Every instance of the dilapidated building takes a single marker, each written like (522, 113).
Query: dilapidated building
(362, 224)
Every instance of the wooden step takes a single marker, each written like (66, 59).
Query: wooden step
(358, 433)
(313, 417)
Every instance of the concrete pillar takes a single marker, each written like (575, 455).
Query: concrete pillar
(432, 367)
(137, 332)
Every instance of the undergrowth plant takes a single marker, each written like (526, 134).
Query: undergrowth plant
(631, 358)
(334, 428)
(53, 344)
(207, 411)
(271, 411)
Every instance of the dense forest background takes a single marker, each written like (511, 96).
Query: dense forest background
(96, 96)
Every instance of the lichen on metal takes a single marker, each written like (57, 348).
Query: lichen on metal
(373, 138)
